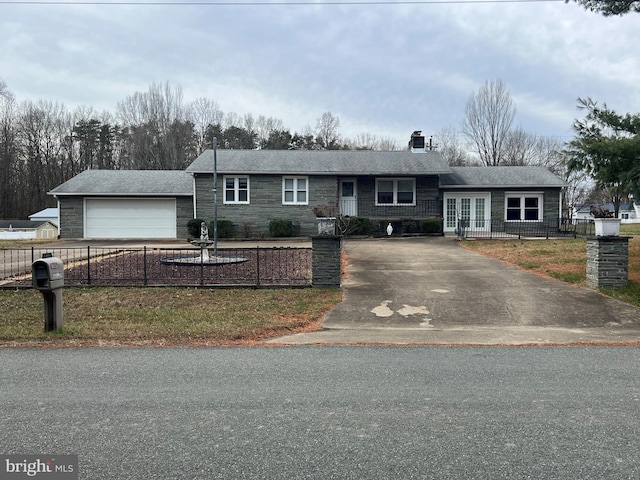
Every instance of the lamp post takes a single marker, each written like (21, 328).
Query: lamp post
(215, 196)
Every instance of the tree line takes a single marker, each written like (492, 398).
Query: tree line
(43, 144)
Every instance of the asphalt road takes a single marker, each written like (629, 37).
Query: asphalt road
(327, 412)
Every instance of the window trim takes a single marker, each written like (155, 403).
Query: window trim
(522, 196)
(236, 190)
(395, 181)
(296, 190)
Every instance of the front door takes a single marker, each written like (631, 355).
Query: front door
(348, 197)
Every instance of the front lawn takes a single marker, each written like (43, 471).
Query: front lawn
(564, 260)
(164, 316)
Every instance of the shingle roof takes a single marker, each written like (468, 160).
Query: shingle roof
(127, 183)
(320, 162)
(22, 224)
(500, 177)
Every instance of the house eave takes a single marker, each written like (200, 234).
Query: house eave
(501, 187)
(345, 173)
(119, 194)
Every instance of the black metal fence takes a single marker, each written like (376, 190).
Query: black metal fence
(92, 266)
(548, 228)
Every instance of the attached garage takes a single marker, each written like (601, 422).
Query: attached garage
(130, 218)
(124, 204)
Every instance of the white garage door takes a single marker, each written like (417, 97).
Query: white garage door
(130, 218)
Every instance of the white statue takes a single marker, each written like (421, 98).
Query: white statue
(204, 231)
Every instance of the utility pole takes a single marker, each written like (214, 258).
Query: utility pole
(215, 196)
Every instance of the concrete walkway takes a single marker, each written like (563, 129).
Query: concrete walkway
(433, 291)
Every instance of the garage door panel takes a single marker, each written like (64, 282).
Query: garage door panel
(130, 218)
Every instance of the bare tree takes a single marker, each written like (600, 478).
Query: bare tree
(4, 90)
(156, 121)
(265, 128)
(204, 112)
(327, 131)
(452, 148)
(519, 148)
(489, 114)
(9, 160)
(363, 141)
(387, 144)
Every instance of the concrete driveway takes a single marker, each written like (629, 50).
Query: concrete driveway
(432, 290)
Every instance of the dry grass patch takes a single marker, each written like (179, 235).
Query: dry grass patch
(564, 259)
(164, 316)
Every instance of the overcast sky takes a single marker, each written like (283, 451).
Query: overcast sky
(385, 69)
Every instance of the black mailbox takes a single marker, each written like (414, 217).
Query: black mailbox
(48, 276)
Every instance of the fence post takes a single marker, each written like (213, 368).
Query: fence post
(88, 265)
(607, 262)
(145, 266)
(258, 266)
(326, 260)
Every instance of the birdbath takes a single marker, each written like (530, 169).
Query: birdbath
(203, 242)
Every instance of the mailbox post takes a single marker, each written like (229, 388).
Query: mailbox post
(48, 277)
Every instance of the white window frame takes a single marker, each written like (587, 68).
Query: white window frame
(236, 190)
(480, 221)
(395, 181)
(523, 196)
(296, 190)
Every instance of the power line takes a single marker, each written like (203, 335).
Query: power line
(253, 3)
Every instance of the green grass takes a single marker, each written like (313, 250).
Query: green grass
(158, 316)
(630, 229)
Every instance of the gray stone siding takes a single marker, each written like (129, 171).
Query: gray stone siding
(71, 217)
(607, 262)
(326, 261)
(426, 190)
(184, 213)
(265, 195)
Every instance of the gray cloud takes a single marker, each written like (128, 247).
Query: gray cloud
(383, 69)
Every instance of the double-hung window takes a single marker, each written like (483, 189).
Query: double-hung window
(295, 191)
(524, 206)
(236, 189)
(395, 191)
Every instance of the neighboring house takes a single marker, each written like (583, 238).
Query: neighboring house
(46, 215)
(27, 229)
(257, 186)
(125, 204)
(627, 212)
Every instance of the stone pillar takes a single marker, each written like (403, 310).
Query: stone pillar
(607, 262)
(326, 260)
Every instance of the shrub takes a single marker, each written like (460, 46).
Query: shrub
(360, 226)
(193, 227)
(225, 229)
(431, 225)
(281, 228)
(410, 226)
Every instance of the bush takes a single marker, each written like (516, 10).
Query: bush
(410, 226)
(225, 229)
(360, 226)
(281, 228)
(193, 227)
(431, 225)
